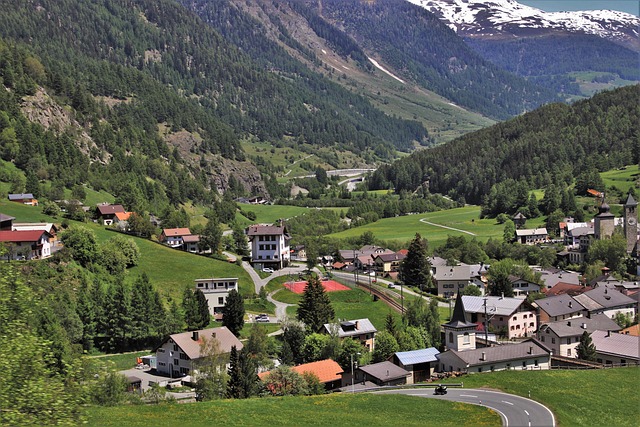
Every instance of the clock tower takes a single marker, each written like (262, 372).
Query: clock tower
(631, 222)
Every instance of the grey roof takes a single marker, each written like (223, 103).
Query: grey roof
(502, 353)
(581, 231)
(577, 325)
(606, 296)
(551, 277)
(457, 272)
(559, 305)
(191, 238)
(350, 328)
(631, 201)
(413, 357)
(192, 348)
(4, 217)
(495, 305)
(385, 371)
(616, 344)
(267, 230)
(436, 261)
(532, 232)
(390, 257)
(478, 269)
(21, 196)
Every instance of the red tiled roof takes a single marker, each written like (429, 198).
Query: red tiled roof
(403, 251)
(176, 232)
(326, 370)
(562, 288)
(21, 236)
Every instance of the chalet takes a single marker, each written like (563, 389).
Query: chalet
(33, 244)
(419, 363)
(24, 198)
(563, 337)
(179, 354)
(269, 246)
(618, 349)
(532, 236)
(511, 315)
(216, 291)
(551, 276)
(561, 307)
(191, 243)
(328, 372)
(299, 253)
(349, 256)
(382, 374)
(49, 227)
(388, 263)
(522, 287)
(107, 213)
(451, 279)
(174, 237)
(364, 263)
(361, 330)
(6, 222)
(526, 355)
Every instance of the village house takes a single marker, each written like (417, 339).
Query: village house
(49, 227)
(419, 363)
(328, 372)
(451, 279)
(6, 222)
(563, 336)
(179, 354)
(216, 291)
(512, 315)
(532, 236)
(269, 246)
(381, 374)
(174, 237)
(349, 256)
(551, 276)
(561, 307)
(616, 349)
(106, 213)
(522, 287)
(361, 330)
(562, 288)
(387, 263)
(606, 299)
(24, 198)
(26, 244)
(526, 355)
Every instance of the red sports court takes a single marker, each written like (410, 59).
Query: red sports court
(329, 286)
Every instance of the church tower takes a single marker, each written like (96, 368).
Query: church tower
(458, 333)
(631, 222)
(604, 222)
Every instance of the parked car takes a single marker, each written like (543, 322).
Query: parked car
(268, 270)
(262, 318)
(391, 286)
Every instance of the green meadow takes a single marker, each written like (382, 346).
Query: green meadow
(340, 409)
(623, 179)
(268, 214)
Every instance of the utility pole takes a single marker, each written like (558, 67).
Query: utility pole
(486, 326)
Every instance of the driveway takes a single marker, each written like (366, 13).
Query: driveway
(514, 410)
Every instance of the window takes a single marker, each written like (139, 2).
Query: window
(220, 300)
(184, 371)
(183, 356)
(553, 340)
(501, 319)
(162, 364)
(515, 318)
(176, 361)
(451, 337)
(161, 350)
(542, 338)
(480, 369)
(466, 338)
(535, 362)
(568, 352)
(569, 340)
(175, 347)
(524, 364)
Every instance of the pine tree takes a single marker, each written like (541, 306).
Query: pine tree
(203, 316)
(390, 324)
(233, 312)
(586, 349)
(315, 309)
(235, 383)
(190, 308)
(415, 268)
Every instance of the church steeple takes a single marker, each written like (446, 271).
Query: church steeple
(631, 222)
(459, 334)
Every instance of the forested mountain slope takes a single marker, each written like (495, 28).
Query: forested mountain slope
(420, 48)
(551, 144)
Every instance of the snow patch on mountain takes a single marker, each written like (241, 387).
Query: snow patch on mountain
(482, 18)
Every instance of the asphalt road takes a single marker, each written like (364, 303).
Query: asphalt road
(515, 411)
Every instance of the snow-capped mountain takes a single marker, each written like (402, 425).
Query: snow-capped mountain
(508, 18)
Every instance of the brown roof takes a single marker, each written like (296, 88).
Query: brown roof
(326, 370)
(265, 230)
(385, 371)
(191, 238)
(562, 288)
(110, 209)
(391, 257)
(192, 348)
(176, 232)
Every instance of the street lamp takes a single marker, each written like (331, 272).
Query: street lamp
(352, 385)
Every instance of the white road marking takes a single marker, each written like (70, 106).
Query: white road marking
(508, 403)
(467, 395)
(526, 412)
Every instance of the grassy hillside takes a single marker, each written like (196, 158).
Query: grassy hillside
(327, 410)
(577, 398)
(404, 228)
(622, 178)
(169, 270)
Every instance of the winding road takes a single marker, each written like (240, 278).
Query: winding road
(514, 410)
